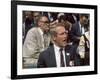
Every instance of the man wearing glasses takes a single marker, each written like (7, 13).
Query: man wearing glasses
(37, 40)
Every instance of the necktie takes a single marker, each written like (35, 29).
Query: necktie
(61, 58)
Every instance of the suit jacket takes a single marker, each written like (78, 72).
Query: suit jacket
(75, 32)
(34, 43)
(47, 57)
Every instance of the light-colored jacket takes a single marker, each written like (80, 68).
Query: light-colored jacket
(82, 45)
(34, 43)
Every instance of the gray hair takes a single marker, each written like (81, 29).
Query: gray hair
(53, 31)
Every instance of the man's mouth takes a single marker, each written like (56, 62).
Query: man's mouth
(64, 40)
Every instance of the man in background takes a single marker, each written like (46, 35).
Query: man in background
(35, 42)
(78, 29)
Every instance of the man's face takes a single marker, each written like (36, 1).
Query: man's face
(84, 20)
(44, 24)
(61, 37)
(36, 15)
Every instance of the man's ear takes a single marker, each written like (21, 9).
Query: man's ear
(54, 38)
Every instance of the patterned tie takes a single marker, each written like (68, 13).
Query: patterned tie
(61, 58)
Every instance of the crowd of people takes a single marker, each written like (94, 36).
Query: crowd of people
(54, 39)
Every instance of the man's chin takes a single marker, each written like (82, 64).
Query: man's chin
(64, 45)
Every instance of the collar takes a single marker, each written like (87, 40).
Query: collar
(57, 47)
(40, 30)
(80, 24)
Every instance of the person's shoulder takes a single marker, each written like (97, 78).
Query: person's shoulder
(49, 48)
(70, 48)
(47, 51)
(33, 30)
(76, 23)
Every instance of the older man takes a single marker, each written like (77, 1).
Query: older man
(35, 42)
(59, 54)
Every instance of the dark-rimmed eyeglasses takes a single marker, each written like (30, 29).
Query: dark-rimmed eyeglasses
(47, 22)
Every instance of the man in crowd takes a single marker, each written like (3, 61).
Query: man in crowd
(35, 42)
(59, 54)
(78, 29)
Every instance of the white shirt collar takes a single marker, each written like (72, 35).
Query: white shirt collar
(81, 28)
(56, 47)
(57, 55)
(80, 24)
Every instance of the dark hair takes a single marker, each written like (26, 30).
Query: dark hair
(84, 15)
(62, 17)
(41, 17)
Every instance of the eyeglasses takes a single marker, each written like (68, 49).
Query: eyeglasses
(46, 22)
(36, 16)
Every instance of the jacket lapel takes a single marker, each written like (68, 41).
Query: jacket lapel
(52, 57)
(39, 39)
(67, 55)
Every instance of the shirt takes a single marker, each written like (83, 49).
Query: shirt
(57, 55)
(82, 29)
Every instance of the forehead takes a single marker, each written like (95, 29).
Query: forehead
(36, 13)
(43, 18)
(60, 29)
(84, 17)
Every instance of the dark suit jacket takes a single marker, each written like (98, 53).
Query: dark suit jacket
(75, 32)
(47, 57)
